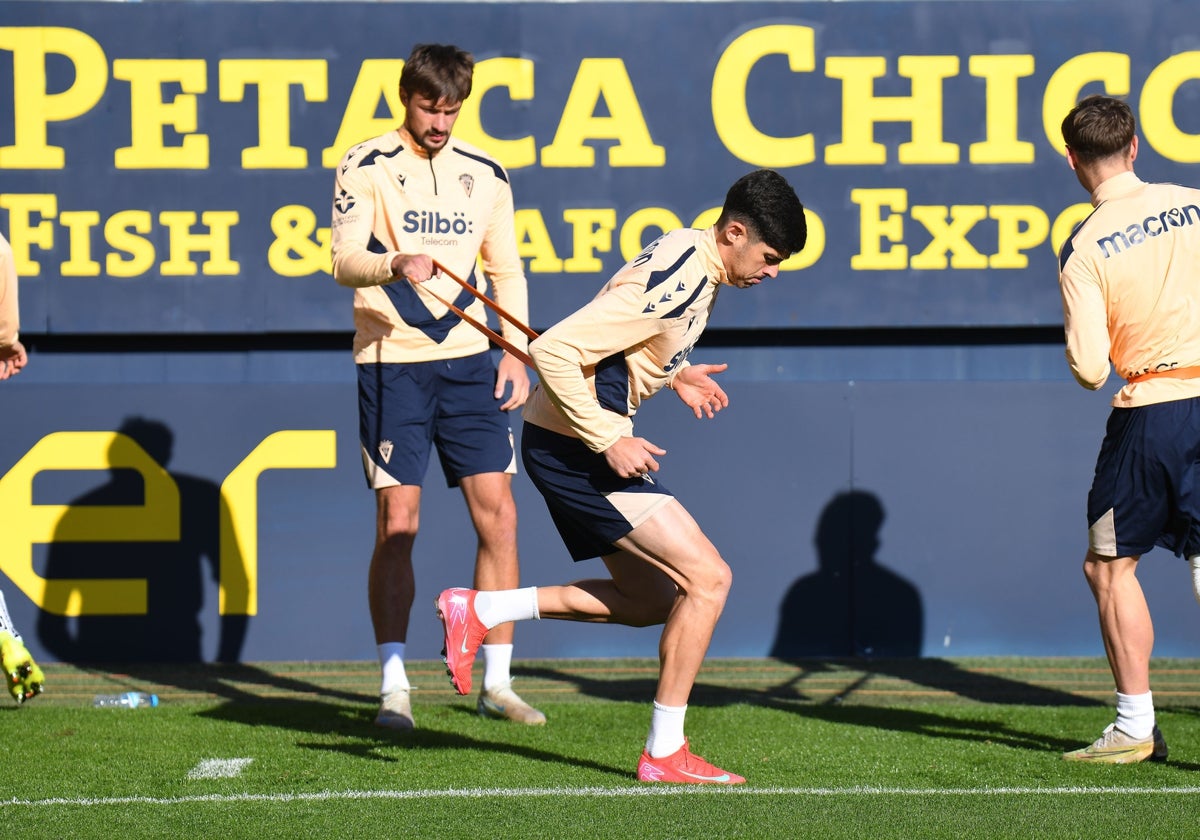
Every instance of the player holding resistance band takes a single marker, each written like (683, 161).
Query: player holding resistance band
(600, 481)
(426, 378)
(1130, 280)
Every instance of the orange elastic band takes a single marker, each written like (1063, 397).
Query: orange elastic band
(1172, 373)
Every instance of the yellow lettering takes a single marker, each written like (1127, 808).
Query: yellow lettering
(1001, 73)
(861, 109)
(534, 243)
(119, 233)
(1158, 108)
(1020, 227)
(150, 113)
(274, 79)
(633, 233)
(814, 246)
(875, 228)
(731, 117)
(378, 78)
(607, 78)
(592, 231)
(949, 227)
(1068, 81)
(27, 524)
(23, 232)
(293, 226)
(79, 225)
(183, 242)
(515, 74)
(34, 108)
(286, 450)
(1063, 226)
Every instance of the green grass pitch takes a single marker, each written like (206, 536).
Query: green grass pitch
(860, 749)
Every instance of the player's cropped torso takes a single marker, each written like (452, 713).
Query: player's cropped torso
(629, 340)
(441, 206)
(1142, 246)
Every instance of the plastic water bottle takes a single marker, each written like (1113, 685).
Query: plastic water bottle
(125, 700)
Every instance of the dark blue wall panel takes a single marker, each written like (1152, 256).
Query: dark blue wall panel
(941, 518)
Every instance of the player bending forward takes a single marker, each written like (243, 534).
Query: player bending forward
(596, 368)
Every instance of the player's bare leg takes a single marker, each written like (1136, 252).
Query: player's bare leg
(494, 514)
(1125, 622)
(390, 591)
(1128, 634)
(667, 571)
(390, 582)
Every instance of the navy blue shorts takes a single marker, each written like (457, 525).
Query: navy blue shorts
(1144, 493)
(591, 505)
(404, 408)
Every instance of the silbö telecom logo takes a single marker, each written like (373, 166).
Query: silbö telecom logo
(426, 221)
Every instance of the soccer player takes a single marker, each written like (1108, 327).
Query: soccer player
(402, 201)
(600, 481)
(24, 677)
(1130, 280)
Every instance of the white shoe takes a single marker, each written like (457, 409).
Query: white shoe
(395, 710)
(1116, 747)
(502, 703)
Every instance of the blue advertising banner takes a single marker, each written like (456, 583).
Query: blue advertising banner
(167, 167)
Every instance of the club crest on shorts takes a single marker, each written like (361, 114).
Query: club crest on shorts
(468, 183)
(385, 450)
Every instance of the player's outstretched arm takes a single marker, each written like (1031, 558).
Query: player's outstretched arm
(24, 676)
(699, 391)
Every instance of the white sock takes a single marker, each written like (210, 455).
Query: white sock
(497, 661)
(666, 730)
(391, 661)
(1194, 562)
(506, 605)
(1135, 714)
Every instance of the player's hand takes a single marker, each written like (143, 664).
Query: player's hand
(25, 679)
(415, 268)
(633, 456)
(699, 391)
(12, 359)
(512, 370)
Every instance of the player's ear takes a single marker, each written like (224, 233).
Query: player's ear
(734, 231)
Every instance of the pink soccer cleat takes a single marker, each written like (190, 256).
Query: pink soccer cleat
(681, 767)
(464, 634)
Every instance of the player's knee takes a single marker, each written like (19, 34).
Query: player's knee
(712, 582)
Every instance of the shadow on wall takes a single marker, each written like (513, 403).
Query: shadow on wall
(851, 605)
(170, 630)
(854, 609)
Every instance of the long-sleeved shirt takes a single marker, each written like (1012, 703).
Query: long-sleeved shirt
(10, 321)
(599, 364)
(1130, 282)
(391, 197)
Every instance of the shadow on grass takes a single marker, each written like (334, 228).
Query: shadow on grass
(790, 697)
(232, 681)
(359, 737)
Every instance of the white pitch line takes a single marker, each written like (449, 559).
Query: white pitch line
(599, 793)
(219, 768)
